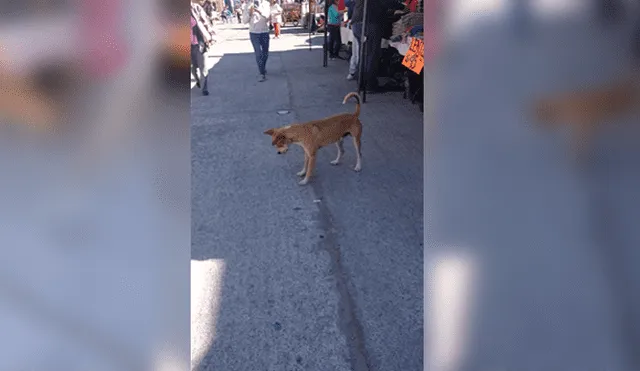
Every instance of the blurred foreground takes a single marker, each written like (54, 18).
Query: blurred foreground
(94, 208)
(533, 255)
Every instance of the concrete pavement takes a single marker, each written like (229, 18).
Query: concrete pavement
(284, 277)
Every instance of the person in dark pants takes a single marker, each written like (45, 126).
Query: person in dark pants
(258, 18)
(333, 27)
(226, 15)
(239, 11)
(201, 38)
(376, 12)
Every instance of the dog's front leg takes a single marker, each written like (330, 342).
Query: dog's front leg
(304, 168)
(311, 163)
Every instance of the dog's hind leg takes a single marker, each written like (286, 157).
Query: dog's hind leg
(356, 143)
(303, 172)
(340, 153)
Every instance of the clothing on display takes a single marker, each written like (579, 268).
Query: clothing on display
(406, 22)
(412, 5)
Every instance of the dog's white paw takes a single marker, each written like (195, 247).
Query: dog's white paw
(301, 173)
(357, 168)
(303, 181)
(335, 162)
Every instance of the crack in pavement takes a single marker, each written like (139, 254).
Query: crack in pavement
(348, 321)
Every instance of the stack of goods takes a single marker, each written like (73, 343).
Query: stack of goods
(407, 22)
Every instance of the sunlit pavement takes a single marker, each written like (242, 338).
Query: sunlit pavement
(284, 277)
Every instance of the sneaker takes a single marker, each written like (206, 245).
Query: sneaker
(263, 78)
(332, 58)
(350, 77)
(205, 92)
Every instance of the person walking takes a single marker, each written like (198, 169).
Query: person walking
(257, 15)
(229, 14)
(333, 26)
(239, 11)
(209, 8)
(223, 15)
(201, 39)
(276, 18)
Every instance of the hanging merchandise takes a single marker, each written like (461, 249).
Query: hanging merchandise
(407, 21)
(411, 5)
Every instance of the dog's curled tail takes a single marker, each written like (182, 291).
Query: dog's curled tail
(357, 96)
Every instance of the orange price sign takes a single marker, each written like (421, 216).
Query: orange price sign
(414, 59)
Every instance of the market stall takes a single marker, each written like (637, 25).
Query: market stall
(412, 50)
(407, 41)
(400, 67)
(291, 13)
(317, 9)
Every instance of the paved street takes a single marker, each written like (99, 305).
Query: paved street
(323, 277)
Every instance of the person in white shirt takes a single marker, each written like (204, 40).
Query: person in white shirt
(257, 15)
(276, 17)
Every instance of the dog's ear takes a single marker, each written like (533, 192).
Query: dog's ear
(270, 132)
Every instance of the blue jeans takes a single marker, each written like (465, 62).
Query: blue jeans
(260, 42)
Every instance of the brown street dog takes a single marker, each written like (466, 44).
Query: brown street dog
(313, 135)
(585, 110)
